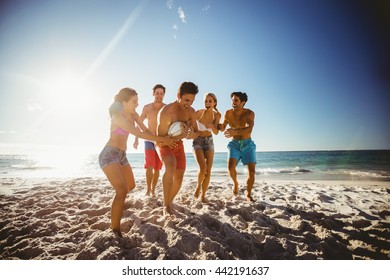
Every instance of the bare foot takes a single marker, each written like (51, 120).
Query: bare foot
(235, 190)
(167, 211)
(197, 192)
(205, 200)
(117, 232)
(250, 198)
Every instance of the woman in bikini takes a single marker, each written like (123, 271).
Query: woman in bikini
(113, 159)
(208, 120)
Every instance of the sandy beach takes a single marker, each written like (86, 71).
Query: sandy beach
(70, 219)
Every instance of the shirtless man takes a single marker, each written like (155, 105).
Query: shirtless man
(241, 147)
(153, 163)
(174, 159)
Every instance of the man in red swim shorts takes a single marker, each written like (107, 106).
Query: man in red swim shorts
(153, 163)
(174, 159)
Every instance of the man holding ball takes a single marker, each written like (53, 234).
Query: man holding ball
(174, 159)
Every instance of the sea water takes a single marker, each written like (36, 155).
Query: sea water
(302, 165)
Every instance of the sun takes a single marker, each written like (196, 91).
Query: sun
(72, 109)
(69, 96)
(67, 92)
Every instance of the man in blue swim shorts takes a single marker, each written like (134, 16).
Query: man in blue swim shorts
(241, 147)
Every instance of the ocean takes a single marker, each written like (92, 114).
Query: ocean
(359, 165)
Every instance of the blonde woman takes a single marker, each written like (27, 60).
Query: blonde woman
(112, 159)
(208, 120)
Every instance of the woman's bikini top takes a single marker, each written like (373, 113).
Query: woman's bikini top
(120, 131)
(201, 126)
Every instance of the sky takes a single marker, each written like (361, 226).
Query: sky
(317, 73)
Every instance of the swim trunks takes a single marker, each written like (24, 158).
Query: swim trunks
(203, 143)
(111, 155)
(151, 157)
(244, 150)
(177, 152)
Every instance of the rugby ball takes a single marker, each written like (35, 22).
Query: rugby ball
(176, 129)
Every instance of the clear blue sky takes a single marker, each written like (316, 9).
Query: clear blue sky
(317, 73)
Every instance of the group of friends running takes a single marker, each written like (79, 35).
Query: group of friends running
(162, 149)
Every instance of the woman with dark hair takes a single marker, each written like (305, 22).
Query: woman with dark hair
(124, 121)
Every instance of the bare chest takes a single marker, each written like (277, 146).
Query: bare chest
(237, 120)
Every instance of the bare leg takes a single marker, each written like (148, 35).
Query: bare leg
(200, 159)
(117, 206)
(116, 176)
(177, 181)
(209, 163)
(232, 163)
(250, 181)
(129, 176)
(197, 192)
(167, 182)
(149, 180)
(156, 175)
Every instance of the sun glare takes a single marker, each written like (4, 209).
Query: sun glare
(69, 93)
(71, 107)
(60, 162)
(69, 98)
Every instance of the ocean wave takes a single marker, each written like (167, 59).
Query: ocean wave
(294, 170)
(384, 175)
(30, 167)
(259, 171)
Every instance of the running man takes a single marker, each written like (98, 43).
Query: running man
(241, 147)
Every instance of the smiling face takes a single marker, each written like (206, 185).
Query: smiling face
(186, 100)
(237, 104)
(158, 95)
(131, 105)
(209, 102)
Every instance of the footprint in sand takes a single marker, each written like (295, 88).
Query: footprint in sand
(100, 226)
